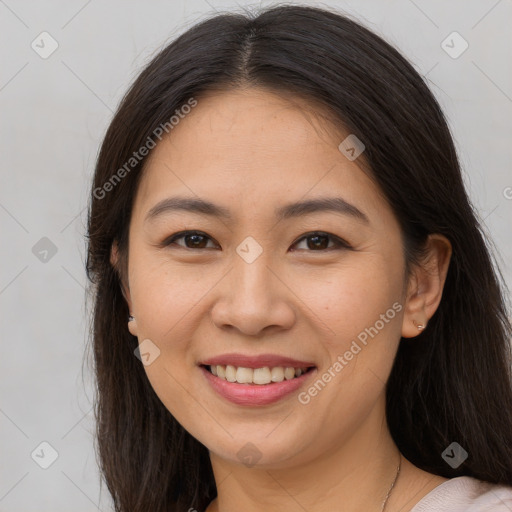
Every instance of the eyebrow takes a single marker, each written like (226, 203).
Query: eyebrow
(297, 209)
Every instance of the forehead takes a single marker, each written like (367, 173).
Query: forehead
(254, 146)
(255, 119)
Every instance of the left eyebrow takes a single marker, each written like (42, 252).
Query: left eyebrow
(297, 209)
(333, 204)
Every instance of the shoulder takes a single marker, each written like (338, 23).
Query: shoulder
(466, 494)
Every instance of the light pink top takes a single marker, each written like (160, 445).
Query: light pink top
(466, 494)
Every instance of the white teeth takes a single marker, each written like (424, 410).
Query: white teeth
(289, 373)
(277, 374)
(230, 373)
(244, 375)
(260, 376)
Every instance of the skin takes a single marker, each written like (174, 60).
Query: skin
(251, 151)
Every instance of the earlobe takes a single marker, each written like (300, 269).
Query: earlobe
(426, 286)
(415, 313)
(132, 325)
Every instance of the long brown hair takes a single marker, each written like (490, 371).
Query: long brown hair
(453, 383)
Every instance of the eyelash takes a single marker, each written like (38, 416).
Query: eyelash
(339, 243)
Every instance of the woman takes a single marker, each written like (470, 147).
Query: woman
(295, 307)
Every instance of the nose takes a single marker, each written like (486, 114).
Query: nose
(253, 298)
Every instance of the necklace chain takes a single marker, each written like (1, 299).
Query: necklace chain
(392, 485)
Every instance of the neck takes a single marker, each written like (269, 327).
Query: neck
(358, 472)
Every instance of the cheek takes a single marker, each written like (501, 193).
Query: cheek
(165, 295)
(361, 311)
(353, 299)
(167, 301)
(359, 316)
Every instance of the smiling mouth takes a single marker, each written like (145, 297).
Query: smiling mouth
(259, 376)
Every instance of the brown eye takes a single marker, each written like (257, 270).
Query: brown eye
(193, 239)
(319, 241)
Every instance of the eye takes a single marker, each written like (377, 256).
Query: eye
(195, 238)
(319, 240)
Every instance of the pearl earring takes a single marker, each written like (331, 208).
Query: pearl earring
(131, 318)
(419, 326)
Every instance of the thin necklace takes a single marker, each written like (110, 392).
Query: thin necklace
(392, 485)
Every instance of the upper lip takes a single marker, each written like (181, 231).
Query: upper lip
(259, 361)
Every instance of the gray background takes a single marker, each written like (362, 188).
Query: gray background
(54, 113)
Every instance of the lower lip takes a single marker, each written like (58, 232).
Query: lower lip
(255, 394)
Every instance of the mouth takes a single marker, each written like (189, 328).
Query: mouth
(252, 387)
(257, 376)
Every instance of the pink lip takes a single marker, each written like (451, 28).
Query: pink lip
(260, 361)
(255, 394)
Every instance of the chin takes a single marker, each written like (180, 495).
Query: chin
(263, 452)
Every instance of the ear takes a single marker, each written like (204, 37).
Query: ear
(125, 288)
(114, 260)
(426, 285)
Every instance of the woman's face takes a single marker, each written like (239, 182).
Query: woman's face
(256, 283)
